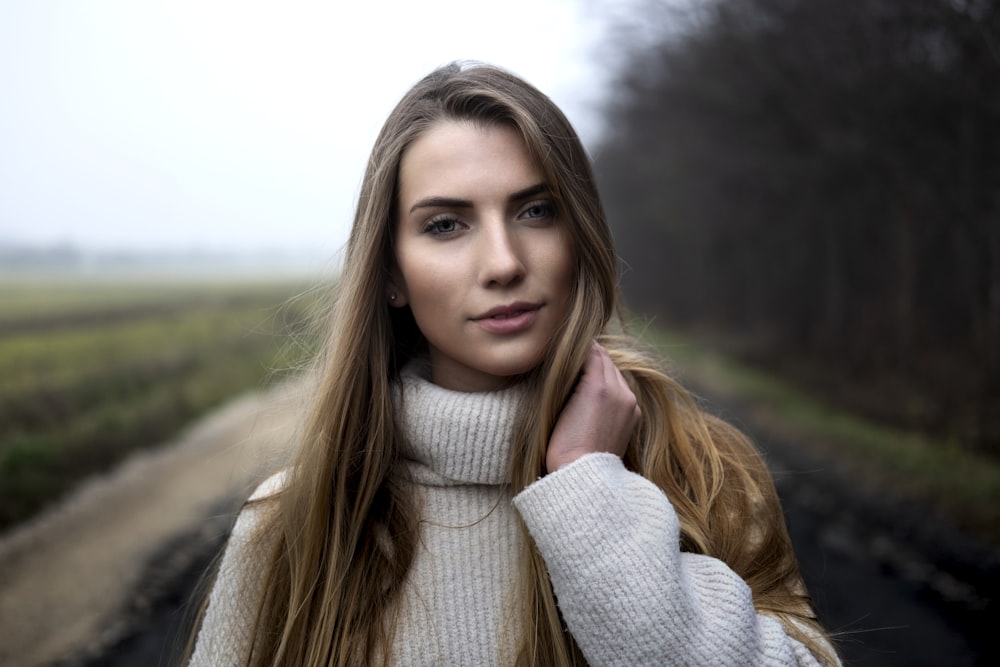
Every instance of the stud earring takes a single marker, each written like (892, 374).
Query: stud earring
(392, 297)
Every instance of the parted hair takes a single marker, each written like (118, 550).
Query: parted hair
(345, 526)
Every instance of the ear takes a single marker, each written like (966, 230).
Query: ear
(395, 296)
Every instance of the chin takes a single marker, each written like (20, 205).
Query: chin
(513, 370)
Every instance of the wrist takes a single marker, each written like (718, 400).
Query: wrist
(562, 459)
(554, 463)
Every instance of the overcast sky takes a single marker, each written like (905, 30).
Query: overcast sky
(200, 124)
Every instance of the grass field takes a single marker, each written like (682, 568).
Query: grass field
(95, 369)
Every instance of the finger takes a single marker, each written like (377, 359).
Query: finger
(608, 368)
(595, 367)
(612, 375)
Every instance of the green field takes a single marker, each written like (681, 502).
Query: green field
(92, 370)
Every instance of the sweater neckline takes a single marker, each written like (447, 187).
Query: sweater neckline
(452, 437)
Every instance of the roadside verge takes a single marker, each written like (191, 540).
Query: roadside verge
(67, 575)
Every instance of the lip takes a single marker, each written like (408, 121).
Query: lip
(508, 319)
(508, 310)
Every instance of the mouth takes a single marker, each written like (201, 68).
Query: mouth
(509, 311)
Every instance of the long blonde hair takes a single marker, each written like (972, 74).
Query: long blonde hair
(345, 528)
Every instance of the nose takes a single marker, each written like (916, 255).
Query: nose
(500, 257)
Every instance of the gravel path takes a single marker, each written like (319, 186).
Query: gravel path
(69, 579)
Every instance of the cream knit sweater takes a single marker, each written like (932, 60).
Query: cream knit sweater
(608, 536)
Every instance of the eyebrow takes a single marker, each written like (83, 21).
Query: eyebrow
(450, 202)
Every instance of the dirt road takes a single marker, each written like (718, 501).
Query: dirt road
(105, 580)
(895, 584)
(69, 578)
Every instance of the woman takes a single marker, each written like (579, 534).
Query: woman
(493, 472)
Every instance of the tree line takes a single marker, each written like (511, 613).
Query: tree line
(816, 184)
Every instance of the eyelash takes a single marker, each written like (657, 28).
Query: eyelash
(549, 209)
(434, 229)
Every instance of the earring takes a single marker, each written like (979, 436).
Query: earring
(392, 297)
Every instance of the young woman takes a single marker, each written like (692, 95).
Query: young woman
(493, 472)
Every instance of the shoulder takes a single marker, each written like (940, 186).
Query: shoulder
(270, 487)
(240, 580)
(259, 511)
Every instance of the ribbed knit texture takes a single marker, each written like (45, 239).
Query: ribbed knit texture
(456, 448)
(609, 537)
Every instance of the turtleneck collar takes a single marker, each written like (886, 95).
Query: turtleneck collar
(452, 437)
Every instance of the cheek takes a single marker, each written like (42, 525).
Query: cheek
(420, 277)
(562, 266)
(428, 284)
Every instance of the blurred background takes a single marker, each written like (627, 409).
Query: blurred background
(805, 197)
(237, 127)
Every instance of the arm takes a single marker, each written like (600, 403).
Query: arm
(225, 636)
(610, 539)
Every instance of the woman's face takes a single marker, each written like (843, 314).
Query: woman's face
(483, 260)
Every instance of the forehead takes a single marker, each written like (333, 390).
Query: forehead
(454, 154)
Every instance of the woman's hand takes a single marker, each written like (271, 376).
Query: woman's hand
(600, 415)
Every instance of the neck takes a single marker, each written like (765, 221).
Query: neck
(453, 437)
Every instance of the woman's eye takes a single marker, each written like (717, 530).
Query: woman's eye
(442, 226)
(539, 210)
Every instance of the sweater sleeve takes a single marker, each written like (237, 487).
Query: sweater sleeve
(225, 636)
(610, 539)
